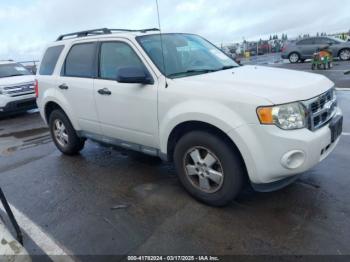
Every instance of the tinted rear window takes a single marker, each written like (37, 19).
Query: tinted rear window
(50, 59)
(80, 61)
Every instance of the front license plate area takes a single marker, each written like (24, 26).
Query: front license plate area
(336, 127)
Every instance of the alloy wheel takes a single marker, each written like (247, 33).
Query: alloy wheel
(60, 133)
(203, 169)
(345, 54)
(294, 58)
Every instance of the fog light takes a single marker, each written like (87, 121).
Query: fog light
(293, 159)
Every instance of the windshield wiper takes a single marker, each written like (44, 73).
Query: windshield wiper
(200, 71)
(226, 67)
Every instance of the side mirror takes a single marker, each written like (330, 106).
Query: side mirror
(133, 75)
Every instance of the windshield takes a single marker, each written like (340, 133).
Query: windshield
(184, 54)
(8, 70)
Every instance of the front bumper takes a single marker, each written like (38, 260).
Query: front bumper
(263, 149)
(18, 106)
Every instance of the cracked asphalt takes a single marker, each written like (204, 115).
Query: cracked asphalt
(105, 202)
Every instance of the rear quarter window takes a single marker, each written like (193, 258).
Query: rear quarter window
(49, 60)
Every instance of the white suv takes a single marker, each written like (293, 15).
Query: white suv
(16, 88)
(177, 96)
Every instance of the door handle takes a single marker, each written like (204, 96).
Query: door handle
(104, 91)
(63, 87)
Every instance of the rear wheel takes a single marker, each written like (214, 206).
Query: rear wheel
(63, 134)
(294, 57)
(344, 54)
(209, 169)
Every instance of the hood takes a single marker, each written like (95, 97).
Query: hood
(16, 80)
(276, 85)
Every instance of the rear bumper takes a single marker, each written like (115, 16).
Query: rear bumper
(18, 106)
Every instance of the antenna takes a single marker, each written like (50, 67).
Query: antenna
(161, 42)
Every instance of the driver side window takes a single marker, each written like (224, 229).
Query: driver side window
(115, 55)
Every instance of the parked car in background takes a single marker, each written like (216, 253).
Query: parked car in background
(16, 88)
(305, 48)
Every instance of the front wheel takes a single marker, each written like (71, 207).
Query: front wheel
(63, 134)
(210, 169)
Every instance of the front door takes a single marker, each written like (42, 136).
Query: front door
(307, 47)
(126, 111)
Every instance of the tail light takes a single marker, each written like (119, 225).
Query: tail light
(36, 88)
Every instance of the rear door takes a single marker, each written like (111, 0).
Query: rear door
(307, 47)
(76, 84)
(129, 111)
(321, 42)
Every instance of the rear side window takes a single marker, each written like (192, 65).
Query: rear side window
(321, 40)
(306, 42)
(80, 61)
(50, 59)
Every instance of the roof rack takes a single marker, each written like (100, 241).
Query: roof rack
(101, 31)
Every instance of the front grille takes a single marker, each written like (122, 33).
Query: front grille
(321, 109)
(19, 90)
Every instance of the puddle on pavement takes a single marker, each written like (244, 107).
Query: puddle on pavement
(25, 133)
(12, 142)
(145, 189)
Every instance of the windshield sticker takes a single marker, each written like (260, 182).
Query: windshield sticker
(218, 54)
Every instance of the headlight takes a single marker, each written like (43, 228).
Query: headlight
(287, 116)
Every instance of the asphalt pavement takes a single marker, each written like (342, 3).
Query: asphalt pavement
(107, 202)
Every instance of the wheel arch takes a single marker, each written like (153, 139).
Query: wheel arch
(49, 108)
(185, 127)
(52, 105)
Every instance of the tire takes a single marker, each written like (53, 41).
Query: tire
(294, 57)
(63, 134)
(219, 157)
(344, 54)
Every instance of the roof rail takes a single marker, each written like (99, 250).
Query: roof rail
(101, 31)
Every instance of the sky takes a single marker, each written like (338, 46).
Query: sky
(26, 26)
